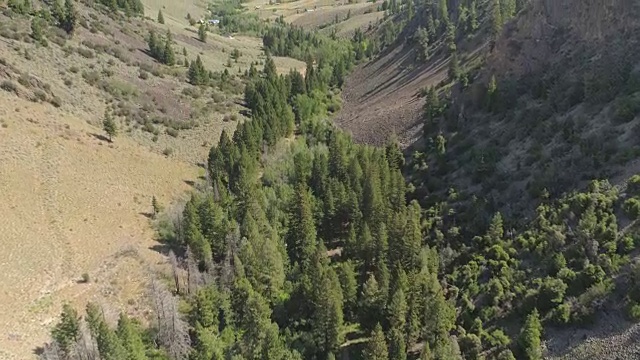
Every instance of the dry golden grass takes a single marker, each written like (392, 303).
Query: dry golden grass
(72, 203)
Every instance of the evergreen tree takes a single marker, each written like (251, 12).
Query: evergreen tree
(507, 9)
(473, 17)
(155, 49)
(425, 354)
(441, 144)
(530, 337)
(131, 339)
(168, 56)
(202, 33)
(70, 17)
(376, 348)
(497, 20)
(66, 332)
(454, 67)
(397, 345)
(160, 17)
(109, 126)
(349, 285)
(93, 318)
(301, 243)
(155, 205)
(36, 29)
(109, 344)
(58, 13)
(197, 74)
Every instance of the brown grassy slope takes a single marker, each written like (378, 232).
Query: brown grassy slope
(72, 204)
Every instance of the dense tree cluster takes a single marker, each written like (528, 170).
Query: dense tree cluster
(129, 7)
(308, 246)
(162, 49)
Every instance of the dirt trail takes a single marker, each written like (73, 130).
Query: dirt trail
(72, 204)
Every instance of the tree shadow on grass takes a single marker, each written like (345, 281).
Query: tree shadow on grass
(100, 137)
(148, 215)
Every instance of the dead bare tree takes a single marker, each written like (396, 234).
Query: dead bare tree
(173, 331)
(86, 347)
(51, 352)
(173, 260)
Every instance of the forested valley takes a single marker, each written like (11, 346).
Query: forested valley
(305, 245)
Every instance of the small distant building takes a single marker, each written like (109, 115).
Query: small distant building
(214, 21)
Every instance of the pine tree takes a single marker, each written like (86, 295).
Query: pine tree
(70, 17)
(397, 345)
(508, 9)
(160, 17)
(473, 17)
(497, 20)
(425, 354)
(93, 318)
(58, 13)
(530, 337)
(131, 340)
(109, 344)
(109, 126)
(376, 348)
(197, 74)
(36, 29)
(154, 46)
(349, 284)
(155, 205)
(301, 243)
(168, 56)
(492, 94)
(454, 67)
(441, 144)
(202, 33)
(66, 332)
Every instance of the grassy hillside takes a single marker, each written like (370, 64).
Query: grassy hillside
(75, 203)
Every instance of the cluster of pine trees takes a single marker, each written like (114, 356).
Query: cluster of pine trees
(129, 7)
(162, 49)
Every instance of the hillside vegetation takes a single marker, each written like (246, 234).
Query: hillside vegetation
(472, 245)
(76, 199)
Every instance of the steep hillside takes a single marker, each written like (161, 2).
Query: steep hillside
(75, 203)
(561, 110)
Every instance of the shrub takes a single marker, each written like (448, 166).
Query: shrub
(626, 109)
(631, 208)
(86, 53)
(25, 80)
(68, 82)
(143, 75)
(74, 69)
(55, 101)
(633, 311)
(633, 187)
(39, 95)
(91, 77)
(9, 86)
(172, 132)
(167, 151)
(85, 278)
